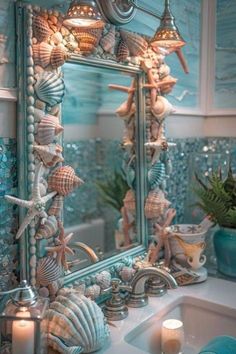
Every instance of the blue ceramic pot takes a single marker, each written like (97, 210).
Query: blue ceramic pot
(225, 248)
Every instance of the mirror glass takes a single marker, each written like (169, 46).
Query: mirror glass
(95, 145)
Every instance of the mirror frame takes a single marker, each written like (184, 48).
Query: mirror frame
(26, 165)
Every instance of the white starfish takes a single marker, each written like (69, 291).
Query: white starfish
(36, 206)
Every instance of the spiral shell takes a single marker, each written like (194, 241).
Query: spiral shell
(56, 206)
(108, 41)
(63, 180)
(50, 88)
(103, 279)
(129, 202)
(48, 229)
(155, 204)
(48, 271)
(156, 175)
(58, 57)
(88, 37)
(136, 44)
(75, 324)
(48, 128)
(162, 108)
(49, 154)
(122, 51)
(42, 54)
(41, 29)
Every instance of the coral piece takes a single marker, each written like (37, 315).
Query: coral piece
(48, 271)
(75, 324)
(155, 204)
(41, 29)
(108, 40)
(50, 154)
(61, 247)
(122, 51)
(48, 229)
(48, 128)
(36, 206)
(50, 88)
(136, 44)
(64, 180)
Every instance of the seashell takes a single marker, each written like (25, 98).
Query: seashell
(122, 51)
(48, 271)
(58, 57)
(63, 180)
(103, 279)
(162, 108)
(127, 274)
(164, 70)
(168, 87)
(156, 175)
(88, 37)
(41, 29)
(93, 291)
(43, 186)
(136, 44)
(38, 115)
(125, 111)
(44, 292)
(40, 105)
(56, 206)
(42, 54)
(155, 204)
(129, 202)
(50, 88)
(48, 229)
(75, 324)
(56, 38)
(108, 41)
(49, 154)
(48, 128)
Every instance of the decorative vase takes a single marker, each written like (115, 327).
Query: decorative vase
(225, 248)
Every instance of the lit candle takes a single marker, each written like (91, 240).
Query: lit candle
(172, 337)
(23, 335)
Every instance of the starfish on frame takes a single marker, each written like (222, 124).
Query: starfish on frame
(61, 248)
(36, 206)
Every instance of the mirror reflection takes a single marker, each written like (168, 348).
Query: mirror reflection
(97, 144)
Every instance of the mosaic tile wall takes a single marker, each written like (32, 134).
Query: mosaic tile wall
(8, 213)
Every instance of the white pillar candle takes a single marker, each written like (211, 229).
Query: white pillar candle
(172, 337)
(23, 335)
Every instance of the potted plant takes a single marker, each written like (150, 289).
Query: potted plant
(217, 199)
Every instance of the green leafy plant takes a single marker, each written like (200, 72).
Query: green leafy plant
(114, 190)
(217, 198)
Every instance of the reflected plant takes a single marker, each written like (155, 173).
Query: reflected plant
(218, 198)
(113, 190)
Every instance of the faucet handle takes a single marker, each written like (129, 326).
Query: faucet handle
(115, 308)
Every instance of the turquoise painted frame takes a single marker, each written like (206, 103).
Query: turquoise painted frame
(26, 163)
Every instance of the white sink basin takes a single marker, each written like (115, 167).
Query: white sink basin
(202, 320)
(207, 310)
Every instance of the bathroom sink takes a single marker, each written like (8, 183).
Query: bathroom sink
(202, 321)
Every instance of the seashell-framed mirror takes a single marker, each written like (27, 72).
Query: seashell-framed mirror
(55, 161)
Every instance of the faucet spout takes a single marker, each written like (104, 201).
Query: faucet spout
(88, 250)
(138, 298)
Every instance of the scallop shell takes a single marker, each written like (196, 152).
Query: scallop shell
(108, 41)
(49, 154)
(156, 175)
(129, 202)
(56, 206)
(88, 37)
(75, 324)
(103, 279)
(41, 29)
(136, 44)
(122, 51)
(48, 229)
(57, 38)
(162, 108)
(127, 274)
(50, 88)
(42, 54)
(58, 57)
(64, 180)
(93, 291)
(48, 128)
(48, 271)
(155, 204)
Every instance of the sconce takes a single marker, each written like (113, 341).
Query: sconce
(21, 321)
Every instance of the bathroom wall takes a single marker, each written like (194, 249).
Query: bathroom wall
(188, 97)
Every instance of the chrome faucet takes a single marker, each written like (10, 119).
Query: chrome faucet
(138, 296)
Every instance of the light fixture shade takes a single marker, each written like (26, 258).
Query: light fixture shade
(82, 13)
(167, 34)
